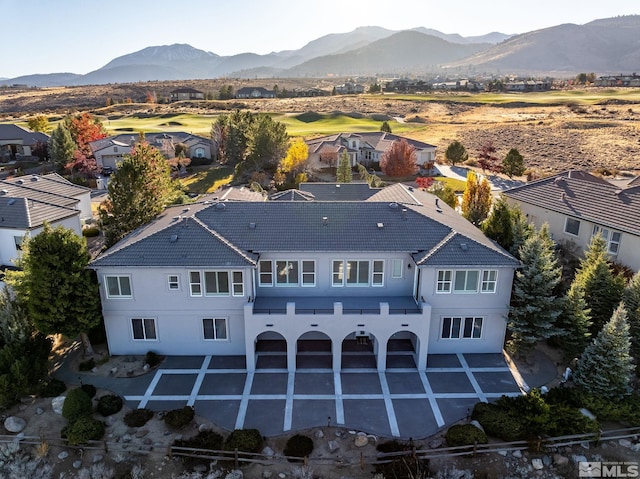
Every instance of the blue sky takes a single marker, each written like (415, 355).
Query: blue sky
(79, 36)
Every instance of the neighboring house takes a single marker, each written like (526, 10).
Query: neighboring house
(17, 142)
(26, 202)
(349, 88)
(255, 92)
(577, 205)
(365, 148)
(109, 151)
(393, 278)
(186, 94)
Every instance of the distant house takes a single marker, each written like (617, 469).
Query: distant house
(26, 202)
(349, 88)
(255, 92)
(578, 205)
(109, 151)
(527, 86)
(17, 142)
(618, 81)
(186, 94)
(365, 148)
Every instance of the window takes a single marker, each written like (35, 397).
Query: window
(195, 283)
(199, 152)
(216, 283)
(444, 282)
(18, 242)
(338, 273)
(215, 329)
(115, 149)
(308, 273)
(118, 286)
(489, 278)
(144, 329)
(377, 278)
(466, 282)
(466, 328)
(266, 273)
(287, 273)
(173, 282)
(357, 273)
(396, 268)
(238, 283)
(611, 237)
(572, 226)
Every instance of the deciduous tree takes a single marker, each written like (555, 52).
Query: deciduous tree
(445, 193)
(39, 123)
(343, 172)
(605, 368)
(399, 160)
(487, 158)
(85, 128)
(513, 164)
(296, 156)
(456, 153)
(476, 200)
(61, 146)
(267, 143)
(424, 182)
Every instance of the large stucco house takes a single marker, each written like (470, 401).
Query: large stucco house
(18, 142)
(578, 205)
(394, 277)
(110, 151)
(365, 148)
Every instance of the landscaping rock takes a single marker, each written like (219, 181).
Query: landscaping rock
(318, 434)
(560, 460)
(578, 458)
(546, 460)
(282, 475)
(477, 424)
(623, 442)
(201, 468)
(517, 453)
(235, 474)
(436, 443)
(39, 411)
(537, 464)
(503, 453)
(141, 433)
(56, 404)
(267, 451)
(14, 424)
(203, 428)
(63, 455)
(97, 458)
(77, 464)
(361, 440)
(333, 446)
(267, 474)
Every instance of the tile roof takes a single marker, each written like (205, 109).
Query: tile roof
(15, 132)
(241, 194)
(23, 213)
(580, 195)
(217, 234)
(52, 184)
(378, 140)
(339, 191)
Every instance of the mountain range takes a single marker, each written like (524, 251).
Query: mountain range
(603, 46)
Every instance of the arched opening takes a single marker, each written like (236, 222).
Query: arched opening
(402, 350)
(271, 351)
(313, 351)
(359, 350)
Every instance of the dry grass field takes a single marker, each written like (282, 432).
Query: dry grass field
(553, 131)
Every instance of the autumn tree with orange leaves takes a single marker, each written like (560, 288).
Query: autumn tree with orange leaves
(399, 160)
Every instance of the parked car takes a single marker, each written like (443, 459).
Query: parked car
(107, 170)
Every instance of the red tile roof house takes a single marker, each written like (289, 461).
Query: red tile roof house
(395, 273)
(578, 205)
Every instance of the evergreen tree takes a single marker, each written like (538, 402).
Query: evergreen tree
(605, 368)
(343, 172)
(631, 298)
(60, 293)
(513, 164)
(385, 127)
(61, 146)
(267, 143)
(456, 153)
(575, 322)
(521, 231)
(602, 288)
(139, 189)
(476, 200)
(499, 225)
(534, 306)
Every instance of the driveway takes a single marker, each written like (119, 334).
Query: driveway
(498, 183)
(401, 402)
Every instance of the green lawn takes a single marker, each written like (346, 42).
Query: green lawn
(457, 185)
(207, 179)
(196, 124)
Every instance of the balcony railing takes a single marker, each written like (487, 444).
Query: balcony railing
(400, 305)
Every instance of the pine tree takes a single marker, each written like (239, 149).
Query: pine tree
(476, 200)
(521, 231)
(605, 368)
(499, 225)
(602, 288)
(575, 323)
(61, 146)
(456, 153)
(534, 306)
(513, 164)
(343, 172)
(631, 298)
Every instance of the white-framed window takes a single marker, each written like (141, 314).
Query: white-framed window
(443, 285)
(357, 273)
(337, 273)
(458, 327)
(118, 286)
(611, 237)
(237, 285)
(173, 282)
(195, 283)
(215, 329)
(199, 153)
(465, 281)
(572, 226)
(216, 283)
(489, 281)
(396, 268)
(18, 242)
(265, 276)
(308, 273)
(377, 275)
(144, 329)
(287, 273)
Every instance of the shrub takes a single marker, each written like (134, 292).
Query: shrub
(90, 232)
(109, 404)
(152, 359)
(204, 440)
(245, 440)
(90, 389)
(179, 418)
(465, 435)
(52, 387)
(298, 446)
(572, 397)
(497, 422)
(76, 405)
(138, 417)
(393, 446)
(565, 421)
(83, 430)
(87, 365)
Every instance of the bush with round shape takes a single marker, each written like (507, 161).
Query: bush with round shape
(179, 418)
(52, 388)
(138, 417)
(90, 232)
(298, 446)
(497, 422)
(109, 404)
(152, 359)
(82, 430)
(245, 440)
(76, 405)
(90, 389)
(465, 435)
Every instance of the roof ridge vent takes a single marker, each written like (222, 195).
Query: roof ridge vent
(221, 206)
(559, 180)
(393, 206)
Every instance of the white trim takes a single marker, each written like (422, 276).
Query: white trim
(144, 329)
(176, 282)
(302, 273)
(118, 296)
(566, 220)
(494, 281)
(394, 262)
(215, 329)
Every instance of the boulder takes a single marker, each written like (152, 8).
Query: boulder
(56, 404)
(63, 455)
(361, 440)
(318, 434)
(77, 464)
(623, 442)
(537, 464)
(267, 451)
(517, 453)
(333, 446)
(14, 424)
(477, 424)
(234, 474)
(560, 460)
